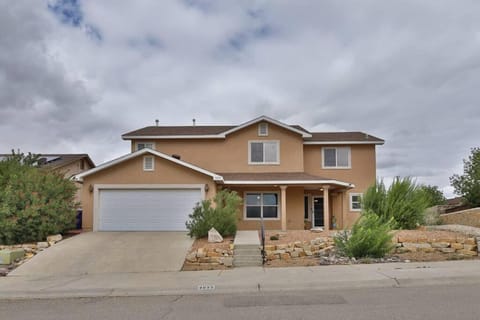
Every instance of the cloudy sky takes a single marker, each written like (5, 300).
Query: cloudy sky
(75, 75)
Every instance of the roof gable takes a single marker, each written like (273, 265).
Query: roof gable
(80, 176)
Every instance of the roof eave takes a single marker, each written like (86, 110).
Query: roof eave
(343, 142)
(198, 136)
(289, 182)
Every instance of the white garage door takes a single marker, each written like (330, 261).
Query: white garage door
(145, 210)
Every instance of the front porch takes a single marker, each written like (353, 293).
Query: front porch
(289, 201)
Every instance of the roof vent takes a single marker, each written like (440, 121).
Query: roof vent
(156, 122)
(193, 122)
(176, 156)
(366, 136)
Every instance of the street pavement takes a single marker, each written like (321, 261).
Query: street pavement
(241, 280)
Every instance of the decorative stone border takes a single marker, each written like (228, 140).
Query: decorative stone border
(210, 257)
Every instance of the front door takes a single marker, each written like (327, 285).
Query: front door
(318, 212)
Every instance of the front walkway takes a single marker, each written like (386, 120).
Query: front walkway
(243, 238)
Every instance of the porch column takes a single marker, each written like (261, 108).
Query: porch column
(283, 206)
(326, 208)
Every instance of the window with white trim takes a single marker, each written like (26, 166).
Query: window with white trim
(336, 157)
(263, 129)
(148, 163)
(263, 152)
(143, 145)
(355, 201)
(261, 204)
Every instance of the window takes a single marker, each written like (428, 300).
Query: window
(261, 204)
(143, 145)
(336, 157)
(148, 163)
(263, 129)
(355, 201)
(264, 152)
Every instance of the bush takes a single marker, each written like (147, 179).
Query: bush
(404, 203)
(33, 203)
(467, 185)
(222, 215)
(370, 237)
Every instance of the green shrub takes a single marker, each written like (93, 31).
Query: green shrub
(370, 237)
(274, 238)
(33, 203)
(222, 215)
(404, 202)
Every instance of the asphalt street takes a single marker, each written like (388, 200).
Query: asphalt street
(427, 302)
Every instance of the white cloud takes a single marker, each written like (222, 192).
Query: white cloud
(405, 71)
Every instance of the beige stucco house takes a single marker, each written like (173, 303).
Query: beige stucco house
(290, 177)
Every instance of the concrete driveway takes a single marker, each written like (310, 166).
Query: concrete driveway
(110, 252)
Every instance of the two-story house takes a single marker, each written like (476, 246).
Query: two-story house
(290, 177)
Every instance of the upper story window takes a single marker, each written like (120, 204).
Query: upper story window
(148, 163)
(264, 152)
(143, 145)
(355, 201)
(336, 157)
(263, 129)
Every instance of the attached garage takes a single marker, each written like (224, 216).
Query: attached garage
(164, 209)
(143, 191)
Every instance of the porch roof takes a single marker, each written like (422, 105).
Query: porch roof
(286, 178)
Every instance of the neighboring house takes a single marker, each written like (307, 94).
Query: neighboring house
(289, 176)
(67, 164)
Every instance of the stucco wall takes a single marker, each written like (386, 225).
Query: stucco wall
(72, 169)
(131, 172)
(231, 154)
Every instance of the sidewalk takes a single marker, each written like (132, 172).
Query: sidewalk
(242, 280)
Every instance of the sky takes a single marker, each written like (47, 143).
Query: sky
(75, 75)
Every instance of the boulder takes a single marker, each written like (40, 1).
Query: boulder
(228, 261)
(470, 247)
(214, 236)
(54, 238)
(457, 246)
(42, 245)
(191, 257)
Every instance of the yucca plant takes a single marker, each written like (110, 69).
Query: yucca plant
(404, 202)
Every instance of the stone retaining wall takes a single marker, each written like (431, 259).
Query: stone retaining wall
(459, 244)
(470, 217)
(299, 249)
(210, 257)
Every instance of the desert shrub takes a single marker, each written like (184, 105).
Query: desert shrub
(370, 237)
(221, 215)
(403, 202)
(34, 203)
(274, 238)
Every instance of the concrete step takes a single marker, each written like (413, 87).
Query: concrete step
(242, 252)
(246, 246)
(250, 264)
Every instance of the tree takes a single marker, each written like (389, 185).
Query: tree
(468, 184)
(434, 195)
(34, 203)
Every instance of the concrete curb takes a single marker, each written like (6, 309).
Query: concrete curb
(242, 280)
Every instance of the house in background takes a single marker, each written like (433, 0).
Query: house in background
(67, 164)
(285, 174)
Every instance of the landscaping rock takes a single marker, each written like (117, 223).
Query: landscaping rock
(3, 272)
(440, 244)
(457, 246)
(228, 262)
(8, 256)
(214, 236)
(54, 238)
(42, 245)
(447, 250)
(470, 247)
(192, 257)
(467, 252)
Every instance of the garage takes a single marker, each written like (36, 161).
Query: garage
(128, 209)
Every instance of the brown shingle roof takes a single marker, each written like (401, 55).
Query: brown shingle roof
(343, 137)
(178, 130)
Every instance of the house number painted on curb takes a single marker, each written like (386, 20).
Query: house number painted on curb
(206, 287)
